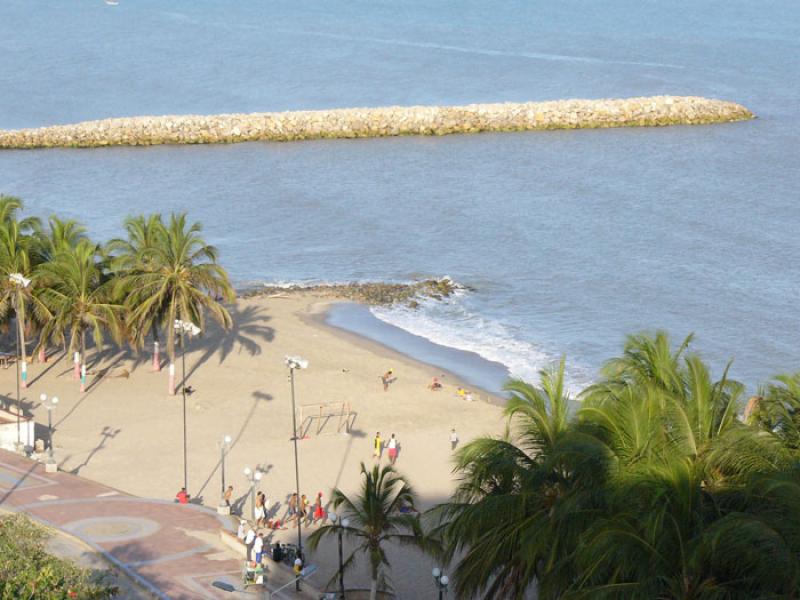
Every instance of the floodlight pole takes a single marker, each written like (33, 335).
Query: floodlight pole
(296, 472)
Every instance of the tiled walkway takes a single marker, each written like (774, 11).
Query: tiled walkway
(173, 550)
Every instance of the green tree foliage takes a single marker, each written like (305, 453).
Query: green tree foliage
(167, 272)
(650, 488)
(28, 572)
(375, 520)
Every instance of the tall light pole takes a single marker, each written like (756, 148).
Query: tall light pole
(253, 477)
(224, 445)
(50, 466)
(19, 281)
(224, 507)
(441, 581)
(183, 327)
(294, 363)
(343, 524)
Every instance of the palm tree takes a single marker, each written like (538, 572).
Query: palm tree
(177, 278)
(16, 266)
(132, 257)
(375, 520)
(78, 295)
(638, 495)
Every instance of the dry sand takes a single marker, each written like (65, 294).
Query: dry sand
(127, 433)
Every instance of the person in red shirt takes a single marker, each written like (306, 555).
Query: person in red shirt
(182, 497)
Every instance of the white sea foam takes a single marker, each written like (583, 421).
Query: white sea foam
(451, 323)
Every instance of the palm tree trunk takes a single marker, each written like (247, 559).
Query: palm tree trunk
(373, 589)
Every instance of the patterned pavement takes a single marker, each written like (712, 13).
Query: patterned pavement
(172, 550)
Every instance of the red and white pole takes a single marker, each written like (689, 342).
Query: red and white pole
(76, 365)
(171, 379)
(83, 378)
(156, 358)
(24, 375)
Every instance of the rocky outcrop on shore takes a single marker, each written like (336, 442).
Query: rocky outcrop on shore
(653, 111)
(372, 293)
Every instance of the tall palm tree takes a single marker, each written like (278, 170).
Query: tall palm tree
(636, 495)
(375, 520)
(178, 278)
(78, 295)
(16, 259)
(132, 257)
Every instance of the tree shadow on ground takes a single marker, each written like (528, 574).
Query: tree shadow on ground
(258, 396)
(248, 329)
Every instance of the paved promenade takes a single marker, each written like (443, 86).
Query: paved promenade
(172, 550)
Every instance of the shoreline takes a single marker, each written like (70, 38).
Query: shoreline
(125, 432)
(317, 317)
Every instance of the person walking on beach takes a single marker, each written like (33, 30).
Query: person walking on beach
(302, 510)
(453, 439)
(319, 512)
(291, 511)
(387, 378)
(377, 446)
(392, 449)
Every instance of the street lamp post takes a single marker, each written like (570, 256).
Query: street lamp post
(50, 466)
(343, 524)
(295, 362)
(224, 445)
(19, 281)
(183, 327)
(253, 476)
(441, 581)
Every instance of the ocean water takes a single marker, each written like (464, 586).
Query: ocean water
(567, 240)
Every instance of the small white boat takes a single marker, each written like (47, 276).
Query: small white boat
(112, 2)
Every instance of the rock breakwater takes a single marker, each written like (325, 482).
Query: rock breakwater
(372, 293)
(653, 111)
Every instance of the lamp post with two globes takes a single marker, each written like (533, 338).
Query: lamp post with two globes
(343, 524)
(183, 327)
(50, 404)
(20, 282)
(441, 581)
(253, 476)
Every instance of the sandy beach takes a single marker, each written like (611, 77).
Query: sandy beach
(127, 432)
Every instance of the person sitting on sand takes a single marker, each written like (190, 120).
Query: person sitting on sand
(182, 497)
(461, 392)
(435, 386)
(387, 378)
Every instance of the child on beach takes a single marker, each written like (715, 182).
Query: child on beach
(377, 446)
(392, 449)
(453, 439)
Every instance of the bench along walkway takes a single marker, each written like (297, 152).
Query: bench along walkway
(171, 550)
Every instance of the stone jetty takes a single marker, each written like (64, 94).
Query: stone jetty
(656, 111)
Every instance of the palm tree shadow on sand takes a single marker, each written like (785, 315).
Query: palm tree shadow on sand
(249, 329)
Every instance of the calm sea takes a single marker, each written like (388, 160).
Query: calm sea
(570, 240)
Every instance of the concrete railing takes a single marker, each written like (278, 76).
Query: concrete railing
(380, 122)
